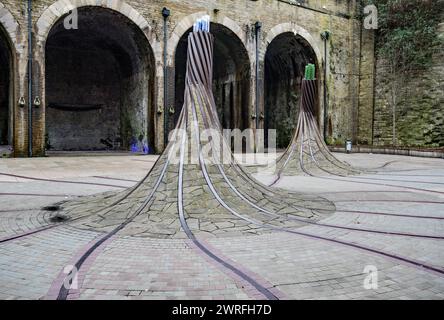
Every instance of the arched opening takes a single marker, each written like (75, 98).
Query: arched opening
(231, 77)
(285, 61)
(5, 91)
(99, 84)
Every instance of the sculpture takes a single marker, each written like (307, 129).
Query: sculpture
(307, 153)
(182, 199)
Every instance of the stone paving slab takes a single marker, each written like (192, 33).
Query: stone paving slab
(135, 267)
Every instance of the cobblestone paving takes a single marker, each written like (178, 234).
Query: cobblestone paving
(28, 265)
(167, 266)
(158, 275)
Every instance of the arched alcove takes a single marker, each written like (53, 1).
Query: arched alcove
(99, 83)
(6, 112)
(231, 76)
(285, 60)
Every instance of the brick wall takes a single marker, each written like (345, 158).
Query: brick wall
(308, 20)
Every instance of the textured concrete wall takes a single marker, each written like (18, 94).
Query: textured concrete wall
(307, 20)
(419, 112)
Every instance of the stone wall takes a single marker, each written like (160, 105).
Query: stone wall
(97, 81)
(419, 112)
(81, 81)
(307, 20)
(4, 91)
(366, 88)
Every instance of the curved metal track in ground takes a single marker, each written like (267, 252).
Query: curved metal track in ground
(414, 181)
(102, 211)
(62, 181)
(343, 179)
(263, 290)
(194, 78)
(314, 236)
(25, 234)
(291, 149)
(310, 235)
(413, 175)
(386, 254)
(392, 200)
(379, 184)
(307, 129)
(391, 214)
(307, 221)
(36, 194)
(63, 291)
(102, 241)
(118, 179)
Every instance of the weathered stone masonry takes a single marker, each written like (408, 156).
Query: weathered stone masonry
(419, 112)
(140, 79)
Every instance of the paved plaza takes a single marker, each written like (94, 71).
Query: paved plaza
(380, 236)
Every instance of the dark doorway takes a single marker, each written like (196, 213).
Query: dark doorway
(285, 61)
(99, 84)
(231, 77)
(5, 91)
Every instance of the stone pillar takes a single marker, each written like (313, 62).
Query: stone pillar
(17, 40)
(159, 144)
(260, 95)
(38, 90)
(20, 112)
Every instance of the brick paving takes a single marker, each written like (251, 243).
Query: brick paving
(135, 266)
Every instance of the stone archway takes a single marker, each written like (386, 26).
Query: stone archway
(8, 43)
(137, 31)
(62, 7)
(284, 63)
(9, 25)
(5, 91)
(297, 31)
(99, 83)
(231, 73)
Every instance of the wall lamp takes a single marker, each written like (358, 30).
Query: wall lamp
(325, 35)
(37, 102)
(166, 12)
(21, 102)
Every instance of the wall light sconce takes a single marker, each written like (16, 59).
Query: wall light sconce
(261, 116)
(166, 12)
(21, 102)
(159, 110)
(37, 102)
(325, 35)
